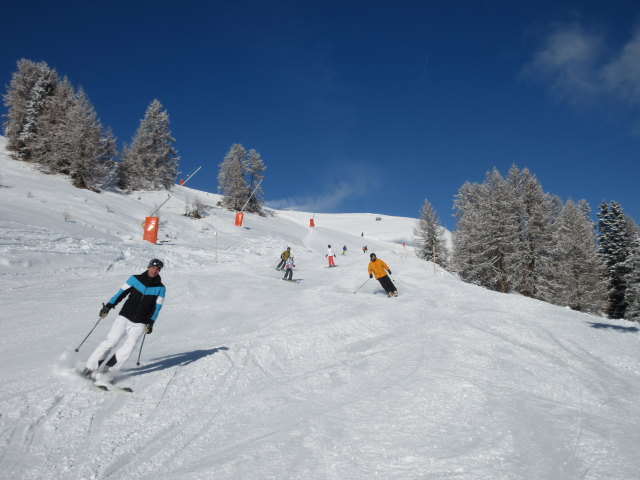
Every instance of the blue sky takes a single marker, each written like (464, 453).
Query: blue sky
(363, 108)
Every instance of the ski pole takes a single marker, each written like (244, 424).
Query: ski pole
(140, 352)
(362, 285)
(85, 338)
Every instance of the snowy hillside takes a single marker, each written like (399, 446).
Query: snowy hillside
(249, 377)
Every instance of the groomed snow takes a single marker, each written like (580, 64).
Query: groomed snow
(249, 377)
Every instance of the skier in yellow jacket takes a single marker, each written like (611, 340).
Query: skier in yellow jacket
(378, 268)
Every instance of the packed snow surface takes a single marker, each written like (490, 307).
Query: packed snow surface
(246, 376)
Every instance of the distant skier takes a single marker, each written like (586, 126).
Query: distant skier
(344, 250)
(146, 296)
(365, 249)
(283, 258)
(378, 267)
(330, 256)
(288, 266)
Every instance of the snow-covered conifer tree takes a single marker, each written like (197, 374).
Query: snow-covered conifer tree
(633, 280)
(487, 236)
(52, 125)
(253, 169)
(536, 215)
(86, 145)
(52, 146)
(429, 236)
(575, 275)
(107, 156)
(231, 182)
(504, 243)
(25, 99)
(70, 139)
(614, 248)
(150, 162)
(467, 244)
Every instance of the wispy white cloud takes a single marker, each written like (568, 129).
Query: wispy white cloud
(580, 67)
(622, 74)
(356, 182)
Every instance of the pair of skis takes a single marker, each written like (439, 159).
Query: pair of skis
(105, 386)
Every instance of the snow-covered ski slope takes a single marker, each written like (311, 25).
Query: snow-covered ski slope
(249, 377)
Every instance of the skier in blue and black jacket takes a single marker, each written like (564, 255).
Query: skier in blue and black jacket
(146, 295)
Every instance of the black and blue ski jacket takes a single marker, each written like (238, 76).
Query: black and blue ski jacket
(146, 296)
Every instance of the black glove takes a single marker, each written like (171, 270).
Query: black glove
(389, 272)
(371, 275)
(149, 328)
(104, 311)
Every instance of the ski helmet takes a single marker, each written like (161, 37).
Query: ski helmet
(156, 263)
(372, 256)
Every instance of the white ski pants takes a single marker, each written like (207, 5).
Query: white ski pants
(123, 330)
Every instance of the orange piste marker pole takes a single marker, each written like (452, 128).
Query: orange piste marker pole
(151, 229)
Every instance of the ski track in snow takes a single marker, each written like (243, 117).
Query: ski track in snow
(248, 377)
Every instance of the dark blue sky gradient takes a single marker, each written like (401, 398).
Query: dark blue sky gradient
(364, 108)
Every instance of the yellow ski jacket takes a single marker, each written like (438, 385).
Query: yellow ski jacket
(378, 268)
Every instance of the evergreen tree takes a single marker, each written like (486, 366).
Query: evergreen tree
(107, 158)
(86, 144)
(614, 248)
(633, 228)
(51, 147)
(429, 236)
(486, 243)
(468, 244)
(150, 162)
(25, 99)
(253, 169)
(633, 280)
(70, 138)
(574, 273)
(231, 182)
(52, 125)
(536, 216)
(504, 243)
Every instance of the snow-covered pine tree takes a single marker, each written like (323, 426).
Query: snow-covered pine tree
(126, 169)
(575, 275)
(486, 243)
(468, 238)
(633, 280)
(84, 134)
(107, 158)
(150, 162)
(633, 228)
(536, 216)
(231, 182)
(70, 138)
(504, 244)
(253, 170)
(429, 236)
(25, 99)
(614, 248)
(48, 147)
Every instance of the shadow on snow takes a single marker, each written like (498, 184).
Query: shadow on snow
(179, 359)
(614, 327)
